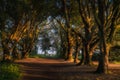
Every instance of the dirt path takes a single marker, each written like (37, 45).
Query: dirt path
(58, 69)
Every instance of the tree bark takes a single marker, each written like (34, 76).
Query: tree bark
(87, 55)
(103, 60)
(70, 53)
(82, 57)
(6, 51)
(76, 60)
(77, 49)
(25, 55)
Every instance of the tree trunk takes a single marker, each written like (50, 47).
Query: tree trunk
(66, 12)
(6, 55)
(77, 49)
(87, 55)
(76, 60)
(6, 52)
(24, 55)
(69, 46)
(103, 60)
(103, 64)
(70, 52)
(15, 54)
(82, 57)
(70, 55)
(91, 54)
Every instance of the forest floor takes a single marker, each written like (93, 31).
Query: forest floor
(58, 69)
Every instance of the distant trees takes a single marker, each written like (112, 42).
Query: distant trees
(49, 38)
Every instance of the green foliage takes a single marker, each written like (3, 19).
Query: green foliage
(9, 72)
(44, 56)
(116, 62)
(34, 56)
(115, 54)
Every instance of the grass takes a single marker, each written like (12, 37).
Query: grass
(9, 71)
(34, 56)
(116, 62)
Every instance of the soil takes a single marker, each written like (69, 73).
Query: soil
(58, 69)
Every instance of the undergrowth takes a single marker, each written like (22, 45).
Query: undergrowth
(9, 71)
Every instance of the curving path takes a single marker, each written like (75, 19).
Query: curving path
(58, 69)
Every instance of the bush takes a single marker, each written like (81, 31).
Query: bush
(9, 71)
(115, 53)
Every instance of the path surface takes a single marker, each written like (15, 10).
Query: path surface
(58, 69)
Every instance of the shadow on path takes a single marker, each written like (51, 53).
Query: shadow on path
(50, 69)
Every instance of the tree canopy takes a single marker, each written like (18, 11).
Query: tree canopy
(80, 25)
